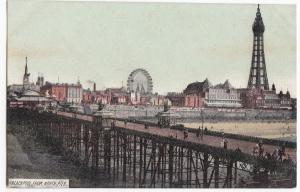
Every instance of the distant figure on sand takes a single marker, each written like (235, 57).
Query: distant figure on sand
(185, 134)
(224, 143)
(260, 148)
(255, 150)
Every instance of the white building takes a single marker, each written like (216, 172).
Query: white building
(222, 95)
(74, 93)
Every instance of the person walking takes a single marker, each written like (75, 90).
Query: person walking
(260, 148)
(283, 148)
(185, 134)
(255, 150)
(225, 143)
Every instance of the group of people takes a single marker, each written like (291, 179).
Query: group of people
(258, 149)
(185, 134)
(278, 153)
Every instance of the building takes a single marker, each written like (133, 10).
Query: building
(27, 94)
(159, 100)
(30, 99)
(117, 95)
(265, 99)
(71, 93)
(177, 99)
(40, 80)
(139, 96)
(145, 100)
(194, 94)
(222, 95)
(95, 97)
(56, 90)
(15, 89)
(74, 93)
(135, 97)
(18, 89)
(110, 96)
(204, 94)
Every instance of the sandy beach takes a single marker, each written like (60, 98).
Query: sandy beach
(274, 130)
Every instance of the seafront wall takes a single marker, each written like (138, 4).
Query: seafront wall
(209, 114)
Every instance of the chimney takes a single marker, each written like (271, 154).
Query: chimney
(94, 87)
(42, 81)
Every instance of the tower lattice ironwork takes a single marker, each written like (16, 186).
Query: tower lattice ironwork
(258, 73)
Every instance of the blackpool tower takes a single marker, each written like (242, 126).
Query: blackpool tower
(258, 73)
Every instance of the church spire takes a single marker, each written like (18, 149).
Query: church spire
(26, 70)
(26, 74)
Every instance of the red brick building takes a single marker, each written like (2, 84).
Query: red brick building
(265, 99)
(108, 96)
(90, 97)
(58, 91)
(117, 95)
(177, 99)
(63, 92)
(194, 94)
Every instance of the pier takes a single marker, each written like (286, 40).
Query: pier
(139, 154)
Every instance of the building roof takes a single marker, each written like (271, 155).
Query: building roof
(47, 84)
(225, 85)
(33, 99)
(30, 93)
(174, 94)
(116, 90)
(197, 87)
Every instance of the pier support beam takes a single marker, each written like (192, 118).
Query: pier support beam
(216, 168)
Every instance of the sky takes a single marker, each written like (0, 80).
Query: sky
(176, 43)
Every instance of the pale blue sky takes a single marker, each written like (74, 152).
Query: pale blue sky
(177, 43)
